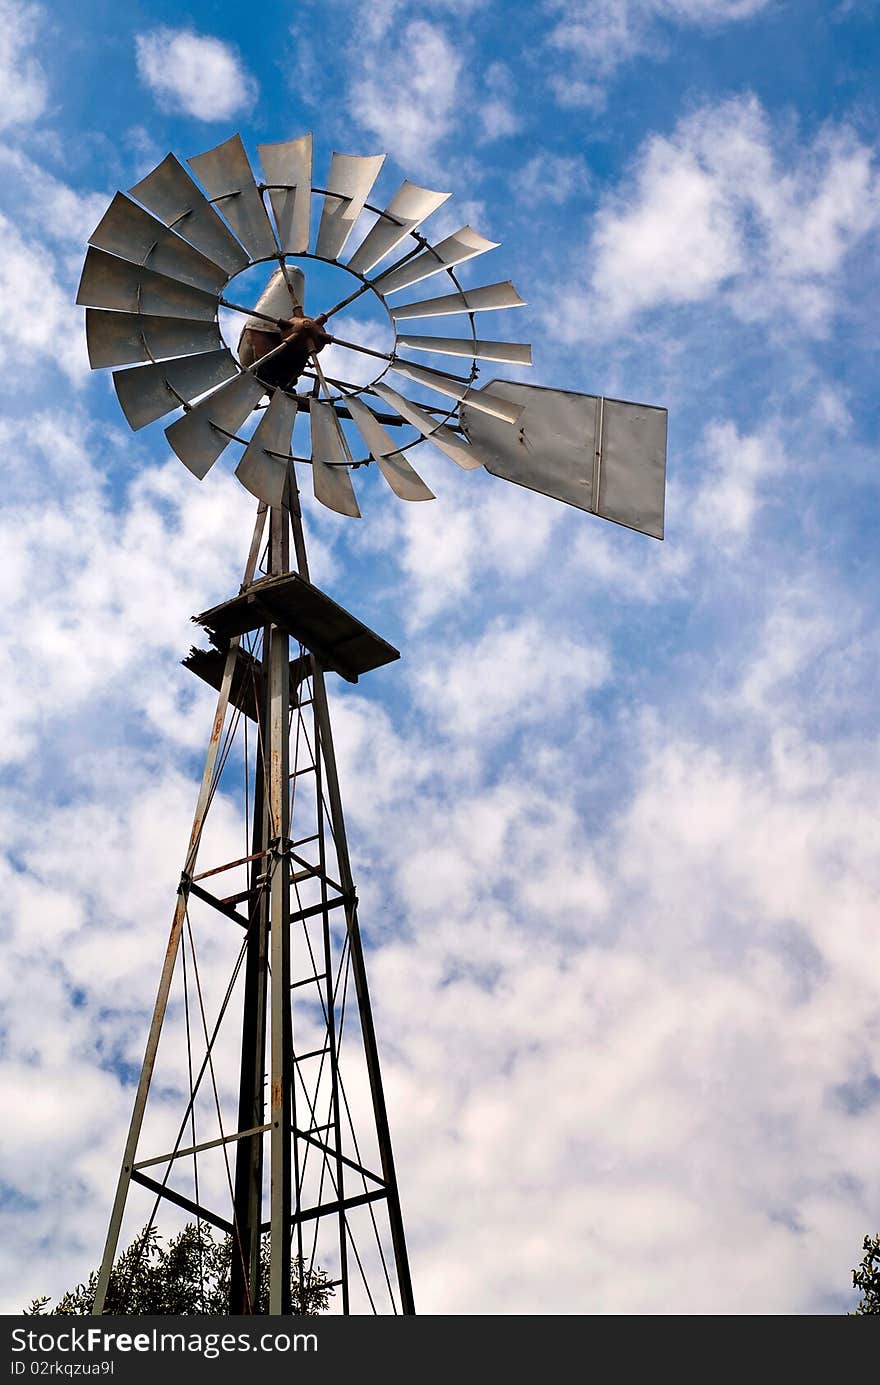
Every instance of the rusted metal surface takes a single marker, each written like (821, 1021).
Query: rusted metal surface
(303, 337)
(346, 645)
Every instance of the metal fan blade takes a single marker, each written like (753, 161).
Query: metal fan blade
(263, 475)
(121, 338)
(289, 167)
(199, 436)
(403, 480)
(463, 453)
(512, 352)
(173, 197)
(458, 389)
(486, 299)
(226, 176)
(127, 230)
(146, 392)
(332, 484)
(108, 282)
(409, 207)
(348, 188)
(464, 245)
(603, 455)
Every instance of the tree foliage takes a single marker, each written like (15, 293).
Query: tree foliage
(189, 1274)
(867, 1278)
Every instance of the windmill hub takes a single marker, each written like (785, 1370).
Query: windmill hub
(304, 337)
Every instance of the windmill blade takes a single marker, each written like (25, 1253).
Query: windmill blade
(199, 436)
(482, 300)
(173, 197)
(511, 352)
(226, 176)
(146, 392)
(461, 451)
(348, 188)
(401, 477)
(410, 206)
(121, 338)
(332, 484)
(108, 282)
(464, 245)
(290, 164)
(127, 230)
(263, 475)
(458, 389)
(605, 456)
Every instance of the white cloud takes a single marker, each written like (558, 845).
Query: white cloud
(733, 485)
(21, 74)
(44, 204)
(194, 73)
(38, 318)
(497, 116)
(600, 35)
(551, 179)
(488, 689)
(726, 209)
(406, 92)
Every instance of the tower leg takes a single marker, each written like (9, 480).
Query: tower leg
(281, 1043)
(244, 1287)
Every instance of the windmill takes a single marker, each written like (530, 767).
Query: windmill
(315, 1147)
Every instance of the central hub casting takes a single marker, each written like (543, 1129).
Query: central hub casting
(302, 337)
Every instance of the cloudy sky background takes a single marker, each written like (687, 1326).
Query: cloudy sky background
(614, 813)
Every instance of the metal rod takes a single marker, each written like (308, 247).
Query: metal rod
(250, 312)
(162, 1190)
(337, 307)
(364, 350)
(244, 1280)
(197, 1149)
(279, 934)
(146, 1074)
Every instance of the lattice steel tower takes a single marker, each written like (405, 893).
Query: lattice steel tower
(265, 1093)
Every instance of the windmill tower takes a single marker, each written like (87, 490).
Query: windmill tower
(270, 1119)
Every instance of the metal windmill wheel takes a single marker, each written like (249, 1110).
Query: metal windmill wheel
(153, 283)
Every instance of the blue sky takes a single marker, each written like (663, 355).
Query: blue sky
(613, 812)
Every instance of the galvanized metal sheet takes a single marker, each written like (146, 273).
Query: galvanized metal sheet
(290, 164)
(511, 352)
(108, 282)
(226, 176)
(401, 477)
(147, 392)
(275, 300)
(464, 245)
(459, 449)
(121, 338)
(565, 442)
(127, 230)
(173, 197)
(484, 399)
(265, 476)
(409, 207)
(486, 299)
(199, 436)
(552, 448)
(632, 467)
(331, 484)
(348, 187)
